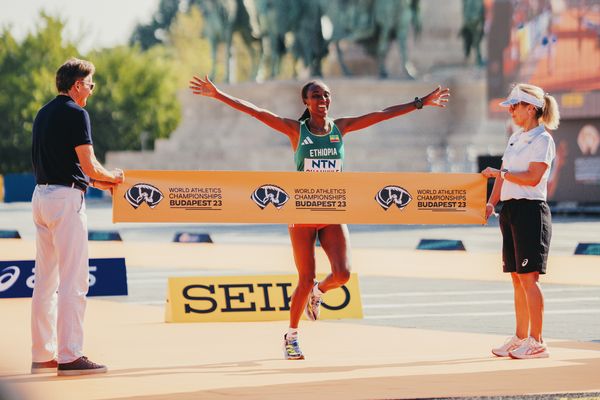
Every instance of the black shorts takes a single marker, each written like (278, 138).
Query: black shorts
(526, 227)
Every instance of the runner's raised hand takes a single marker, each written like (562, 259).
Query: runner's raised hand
(203, 87)
(438, 98)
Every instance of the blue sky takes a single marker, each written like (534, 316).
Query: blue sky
(94, 23)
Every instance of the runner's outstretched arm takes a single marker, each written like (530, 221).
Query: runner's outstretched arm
(437, 98)
(205, 87)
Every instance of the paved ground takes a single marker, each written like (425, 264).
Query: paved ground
(430, 319)
(460, 305)
(149, 359)
(572, 312)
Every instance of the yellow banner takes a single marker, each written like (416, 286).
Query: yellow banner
(251, 298)
(300, 197)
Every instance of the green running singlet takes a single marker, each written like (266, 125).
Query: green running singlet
(319, 153)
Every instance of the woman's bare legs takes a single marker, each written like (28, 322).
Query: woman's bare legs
(535, 303)
(335, 241)
(303, 244)
(521, 310)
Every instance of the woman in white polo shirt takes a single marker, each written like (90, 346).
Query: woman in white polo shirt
(525, 221)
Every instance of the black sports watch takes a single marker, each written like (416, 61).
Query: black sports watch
(418, 103)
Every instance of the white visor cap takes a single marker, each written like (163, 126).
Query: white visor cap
(517, 96)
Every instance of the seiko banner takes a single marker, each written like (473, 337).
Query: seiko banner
(300, 197)
(251, 298)
(108, 277)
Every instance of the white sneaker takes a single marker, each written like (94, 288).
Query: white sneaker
(291, 348)
(530, 348)
(509, 344)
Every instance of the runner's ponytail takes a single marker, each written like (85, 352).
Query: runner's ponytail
(305, 115)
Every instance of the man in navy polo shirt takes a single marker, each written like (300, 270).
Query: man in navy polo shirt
(64, 165)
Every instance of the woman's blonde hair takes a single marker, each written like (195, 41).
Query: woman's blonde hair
(549, 113)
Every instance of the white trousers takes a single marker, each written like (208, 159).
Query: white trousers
(61, 273)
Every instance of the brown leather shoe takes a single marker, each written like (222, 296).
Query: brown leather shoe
(44, 367)
(81, 366)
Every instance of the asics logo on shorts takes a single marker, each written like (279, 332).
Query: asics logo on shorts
(524, 263)
(143, 193)
(270, 194)
(8, 277)
(393, 195)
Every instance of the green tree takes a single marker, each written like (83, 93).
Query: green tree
(135, 97)
(188, 48)
(27, 72)
(181, 34)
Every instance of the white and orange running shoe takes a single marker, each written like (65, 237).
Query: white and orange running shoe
(530, 348)
(313, 305)
(509, 344)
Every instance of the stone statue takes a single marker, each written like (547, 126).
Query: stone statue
(295, 26)
(221, 19)
(392, 21)
(379, 22)
(472, 28)
(349, 19)
(309, 44)
(271, 21)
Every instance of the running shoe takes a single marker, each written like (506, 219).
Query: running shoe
(313, 306)
(530, 348)
(291, 349)
(510, 344)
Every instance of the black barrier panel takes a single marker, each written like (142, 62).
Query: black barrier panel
(108, 277)
(588, 249)
(190, 237)
(9, 235)
(440, 244)
(104, 236)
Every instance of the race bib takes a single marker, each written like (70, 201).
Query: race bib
(322, 165)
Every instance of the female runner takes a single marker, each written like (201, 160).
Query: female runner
(316, 137)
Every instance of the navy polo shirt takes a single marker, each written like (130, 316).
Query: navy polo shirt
(59, 127)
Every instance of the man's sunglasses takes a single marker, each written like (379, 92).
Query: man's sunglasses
(91, 85)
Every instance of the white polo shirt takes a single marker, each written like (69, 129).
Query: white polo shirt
(523, 148)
